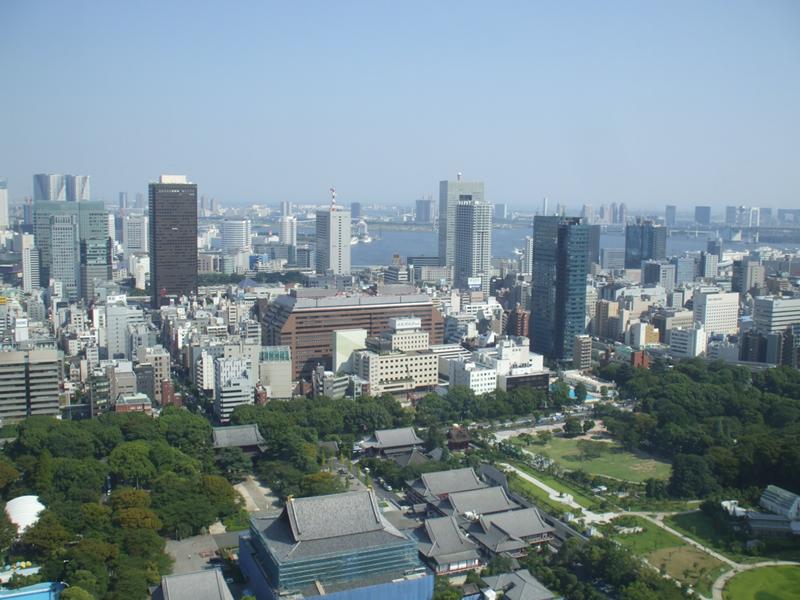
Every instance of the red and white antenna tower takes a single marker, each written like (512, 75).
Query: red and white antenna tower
(333, 199)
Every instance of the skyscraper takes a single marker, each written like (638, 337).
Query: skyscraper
(424, 213)
(236, 236)
(286, 208)
(77, 188)
(450, 193)
(333, 241)
(473, 244)
(558, 295)
(288, 232)
(644, 240)
(670, 215)
(49, 188)
(123, 200)
(73, 243)
(594, 244)
(30, 264)
(702, 215)
(527, 256)
(172, 238)
(4, 222)
(500, 211)
(355, 210)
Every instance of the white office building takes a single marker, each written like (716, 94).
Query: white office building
(450, 194)
(717, 312)
(49, 188)
(77, 188)
(288, 231)
(233, 386)
(118, 317)
(236, 236)
(134, 234)
(30, 264)
(333, 241)
(4, 221)
(687, 343)
(473, 245)
(480, 379)
(772, 314)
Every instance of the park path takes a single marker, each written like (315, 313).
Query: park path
(553, 494)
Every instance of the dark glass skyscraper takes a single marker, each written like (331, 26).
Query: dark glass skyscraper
(594, 243)
(173, 238)
(644, 240)
(558, 294)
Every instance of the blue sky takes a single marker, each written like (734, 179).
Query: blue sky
(584, 102)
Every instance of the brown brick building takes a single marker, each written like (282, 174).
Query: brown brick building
(305, 324)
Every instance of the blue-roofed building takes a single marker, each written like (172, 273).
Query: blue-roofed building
(47, 590)
(337, 547)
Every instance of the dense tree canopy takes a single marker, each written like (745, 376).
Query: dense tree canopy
(722, 426)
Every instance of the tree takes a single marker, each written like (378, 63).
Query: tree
(542, 437)
(130, 463)
(8, 474)
(129, 498)
(8, 532)
(76, 593)
(234, 463)
(444, 590)
(572, 427)
(580, 392)
(319, 484)
(137, 518)
(589, 449)
(588, 425)
(46, 536)
(559, 393)
(691, 477)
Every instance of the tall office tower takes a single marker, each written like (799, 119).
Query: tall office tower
(30, 264)
(77, 188)
(355, 210)
(333, 241)
(717, 312)
(558, 296)
(587, 214)
(473, 244)
(65, 253)
(236, 236)
(747, 275)
(709, 265)
(112, 228)
(4, 222)
(752, 217)
(500, 211)
(172, 238)
(544, 207)
(670, 215)
(773, 314)
(450, 193)
(288, 233)
(622, 214)
(424, 213)
(134, 234)
(123, 200)
(286, 208)
(731, 215)
(233, 386)
(527, 256)
(80, 233)
(29, 384)
(141, 203)
(49, 188)
(702, 215)
(594, 243)
(644, 240)
(614, 210)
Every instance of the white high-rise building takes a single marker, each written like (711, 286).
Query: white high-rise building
(473, 244)
(30, 264)
(4, 222)
(112, 228)
(527, 256)
(450, 194)
(288, 233)
(688, 342)
(233, 386)
(134, 234)
(118, 317)
(48, 187)
(717, 312)
(236, 236)
(773, 315)
(65, 253)
(333, 241)
(77, 188)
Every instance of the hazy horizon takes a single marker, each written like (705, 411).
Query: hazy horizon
(679, 103)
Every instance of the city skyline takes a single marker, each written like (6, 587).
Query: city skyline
(630, 104)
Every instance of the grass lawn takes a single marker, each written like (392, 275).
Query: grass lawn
(705, 530)
(767, 583)
(559, 485)
(670, 554)
(537, 495)
(613, 462)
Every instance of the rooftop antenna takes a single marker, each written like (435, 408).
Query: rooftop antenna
(333, 199)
